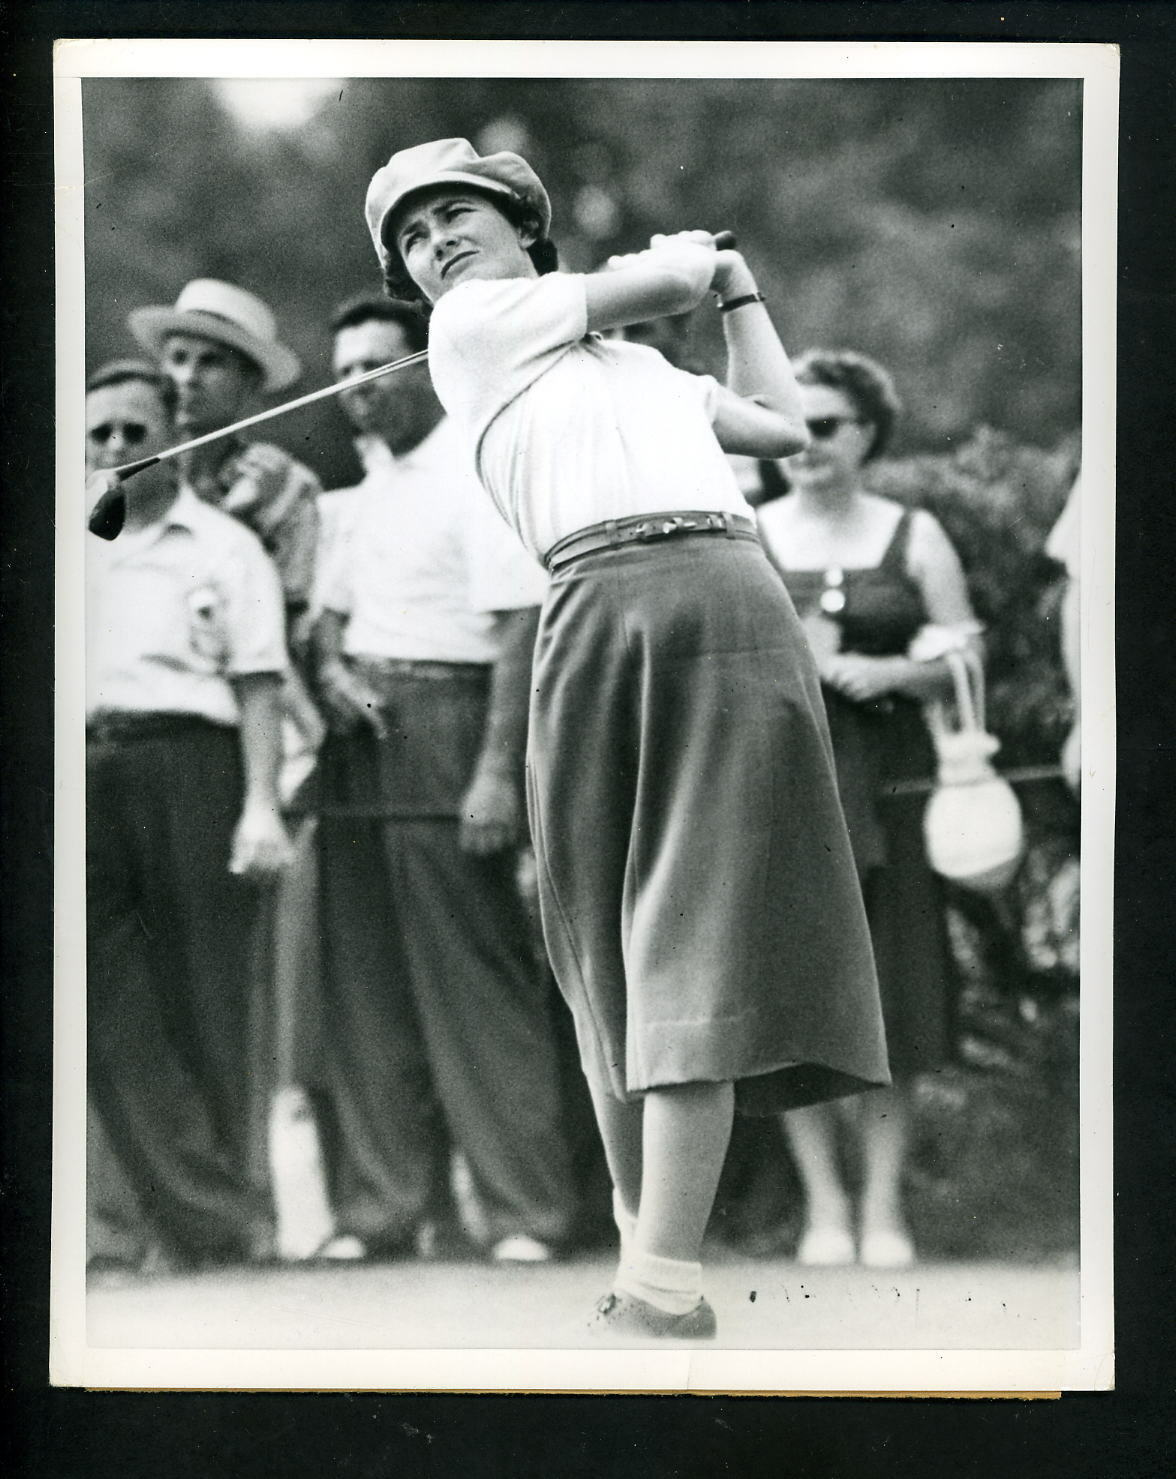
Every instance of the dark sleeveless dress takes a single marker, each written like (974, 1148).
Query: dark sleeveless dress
(876, 744)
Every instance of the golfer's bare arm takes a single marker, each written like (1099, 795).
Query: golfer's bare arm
(760, 411)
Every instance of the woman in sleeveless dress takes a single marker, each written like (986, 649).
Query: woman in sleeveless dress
(866, 575)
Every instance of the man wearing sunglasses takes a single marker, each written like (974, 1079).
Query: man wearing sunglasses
(185, 654)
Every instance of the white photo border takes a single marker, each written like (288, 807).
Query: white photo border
(1089, 1366)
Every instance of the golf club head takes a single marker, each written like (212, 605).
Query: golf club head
(108, 514)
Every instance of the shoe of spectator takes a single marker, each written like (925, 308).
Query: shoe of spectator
(886, 1249)
(521, 1248)
(342, 1248)
(626, 1317)
(825, 1247)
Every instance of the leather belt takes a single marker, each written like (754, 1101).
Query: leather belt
(374, 668)
(646, 528)
(127, 726)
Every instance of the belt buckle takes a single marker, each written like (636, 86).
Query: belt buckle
(663, 528)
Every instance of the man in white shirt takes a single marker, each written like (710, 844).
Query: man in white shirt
(219, 345)
(437, 1013)
(185, 653)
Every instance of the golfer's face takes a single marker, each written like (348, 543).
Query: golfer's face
(447, 236)
(123, 423)
(401, 408)
(213, 382)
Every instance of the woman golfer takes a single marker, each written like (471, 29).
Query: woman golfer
(698, 892)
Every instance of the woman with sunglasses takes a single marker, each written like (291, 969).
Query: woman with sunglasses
(696, 883)
(866, 575)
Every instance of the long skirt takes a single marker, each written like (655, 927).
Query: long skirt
(698, 892)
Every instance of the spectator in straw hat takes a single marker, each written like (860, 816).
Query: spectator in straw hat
(219, 345)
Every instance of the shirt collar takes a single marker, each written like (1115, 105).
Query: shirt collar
(185, 512)
(427, 449)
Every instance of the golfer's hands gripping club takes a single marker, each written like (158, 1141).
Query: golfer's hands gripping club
(727, 262)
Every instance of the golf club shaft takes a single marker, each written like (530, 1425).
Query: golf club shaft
(724, 240)
(107, 515)
(131, 468)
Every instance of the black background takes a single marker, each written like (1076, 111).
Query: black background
(55, 1434)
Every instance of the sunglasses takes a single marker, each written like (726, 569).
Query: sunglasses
(133, 432)
(825, 427)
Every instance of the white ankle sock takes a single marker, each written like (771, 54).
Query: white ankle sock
(670, 1284)
(625, 1221)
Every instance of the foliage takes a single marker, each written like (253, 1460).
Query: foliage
(932, 223)
(996, 1160)
(998, 501)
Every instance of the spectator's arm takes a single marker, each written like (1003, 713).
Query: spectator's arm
(935, 568)
(261, 847)
(347, 699)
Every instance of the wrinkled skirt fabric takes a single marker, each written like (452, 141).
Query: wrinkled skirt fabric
(699, 897)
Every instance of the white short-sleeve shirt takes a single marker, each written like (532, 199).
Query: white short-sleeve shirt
(419, 560)
(178, 609)
(567, 428)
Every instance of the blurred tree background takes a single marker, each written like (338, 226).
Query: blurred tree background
(931, 223)
(934, 224)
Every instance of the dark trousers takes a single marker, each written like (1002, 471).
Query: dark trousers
(168, 947)
(437, 1018)
(438, 1033)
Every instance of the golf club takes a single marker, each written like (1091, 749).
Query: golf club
(107, 515)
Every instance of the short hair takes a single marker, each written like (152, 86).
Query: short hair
(122, 371)
(863, 380)
(365, 308)
(542, 252)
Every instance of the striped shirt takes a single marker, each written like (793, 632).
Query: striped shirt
(274, 495)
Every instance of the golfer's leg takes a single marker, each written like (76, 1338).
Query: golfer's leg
(686, 1131)
(620, 1126)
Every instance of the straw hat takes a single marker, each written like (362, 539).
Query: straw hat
(227, 315)
(450, 162)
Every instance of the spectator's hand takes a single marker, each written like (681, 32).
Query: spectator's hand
(258, 475)
(824, 638)
(491, 814)
(348, 700)
(261, 845)
(858, 677)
